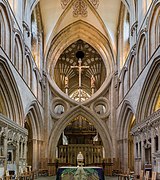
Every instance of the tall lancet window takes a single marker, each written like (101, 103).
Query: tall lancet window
(1, 32)
(124, 35)
(157, 31)
(126, 30)
(36, 37)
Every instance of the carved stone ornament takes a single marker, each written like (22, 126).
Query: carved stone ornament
(64, 3)
(95, 3)
(80, 6)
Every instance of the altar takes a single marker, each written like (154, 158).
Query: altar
(77, 173)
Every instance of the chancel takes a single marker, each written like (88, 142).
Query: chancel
(79, 79)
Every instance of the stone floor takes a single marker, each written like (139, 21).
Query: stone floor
(54, 178)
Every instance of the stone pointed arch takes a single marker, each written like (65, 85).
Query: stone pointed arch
(62, 123)
(18, 51)
(73, 32)
(28, 67)
(154, 27)
(150, 91)
(35, 116)
(141, 51)
(5, 28)
(34, 125)
(11, 100)
(124, 126)
(124, 115)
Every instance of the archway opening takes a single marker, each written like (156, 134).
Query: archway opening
(79, 71)
(80, 135)
(131, 145)
(29, 142)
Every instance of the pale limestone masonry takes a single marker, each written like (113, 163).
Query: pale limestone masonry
(33, 38)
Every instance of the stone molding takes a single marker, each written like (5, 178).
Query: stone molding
(152, 121)
(12, 125)
(134, 28)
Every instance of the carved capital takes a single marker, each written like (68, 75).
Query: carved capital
(26, 28)
(134, 28)
(133, 50)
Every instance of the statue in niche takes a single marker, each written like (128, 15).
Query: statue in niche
(64, 139)
(66, 81)
(92, 81)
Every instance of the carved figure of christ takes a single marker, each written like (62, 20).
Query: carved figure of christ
(80, 67)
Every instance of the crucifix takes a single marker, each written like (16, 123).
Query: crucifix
(80, 56)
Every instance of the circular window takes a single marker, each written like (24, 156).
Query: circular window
(59, 109)
(100, 109)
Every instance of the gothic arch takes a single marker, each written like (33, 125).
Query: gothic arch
(36, 85)
(73, 32)
(28, 67)
(33, 111)
(35, 81)
(132, 70)
(36, 36)
(125, 81)
(125, 113)
(124, 124)
(11, 100)
(5, 28)
(62, 123)
(122, 84)
(34, 125)
(124, 39)
(141, 54)
(18, 52)
(154, 27)
(150, 91)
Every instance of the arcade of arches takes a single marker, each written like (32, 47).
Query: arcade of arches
(79, 76)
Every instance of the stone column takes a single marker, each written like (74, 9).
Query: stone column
(125, 156)
(135, 155)
(113, 97)
(25, 153)
(25, 148)
(17, 154)
(21, 150)
(157, 155)
(35, 154)
(159, 138)
(5, 148)
(46, 99)
(142, 152)
(138, 150)
(152, 144)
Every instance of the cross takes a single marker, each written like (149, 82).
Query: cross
(80, 67)
(80, 71)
